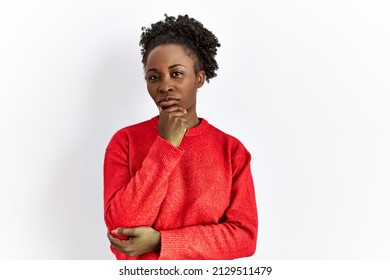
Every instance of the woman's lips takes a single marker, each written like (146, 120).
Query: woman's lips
(167, 102)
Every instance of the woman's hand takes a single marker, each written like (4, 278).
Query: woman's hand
(141, 240)
(172, 124)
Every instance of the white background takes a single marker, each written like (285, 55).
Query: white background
(303, 84)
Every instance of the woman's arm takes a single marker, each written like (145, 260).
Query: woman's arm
(135, 201)
(234, 237)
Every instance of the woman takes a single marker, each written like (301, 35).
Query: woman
(175, 187)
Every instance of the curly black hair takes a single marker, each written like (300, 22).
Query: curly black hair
(187, 32)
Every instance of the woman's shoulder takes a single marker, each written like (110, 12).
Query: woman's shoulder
(226, 138)
(138, 130)
(222, 133)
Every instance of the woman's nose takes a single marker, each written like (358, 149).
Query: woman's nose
(165, 85)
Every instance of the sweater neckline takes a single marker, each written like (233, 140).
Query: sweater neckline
(202, 126)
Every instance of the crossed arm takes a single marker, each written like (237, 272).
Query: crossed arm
(140, 197)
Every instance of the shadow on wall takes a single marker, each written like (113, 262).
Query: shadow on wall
(73, 208)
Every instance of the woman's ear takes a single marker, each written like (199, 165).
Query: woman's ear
(200, 77)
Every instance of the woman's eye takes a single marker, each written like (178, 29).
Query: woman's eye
(151, 77)
(177, 74)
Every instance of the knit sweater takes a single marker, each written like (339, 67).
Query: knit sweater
(200, 196)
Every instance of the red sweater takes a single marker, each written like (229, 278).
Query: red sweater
(200, 196)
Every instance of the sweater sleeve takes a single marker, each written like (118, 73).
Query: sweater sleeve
(135, 201)
(235, 236)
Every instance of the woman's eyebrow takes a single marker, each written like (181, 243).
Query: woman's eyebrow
(170, 67)
(175, 65)
(151, 70)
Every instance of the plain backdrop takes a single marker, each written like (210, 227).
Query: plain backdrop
(305, 85)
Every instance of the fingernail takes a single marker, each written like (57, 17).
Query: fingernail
(115, 231)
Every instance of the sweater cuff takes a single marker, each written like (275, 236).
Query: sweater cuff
(164, 155)
(171, 244)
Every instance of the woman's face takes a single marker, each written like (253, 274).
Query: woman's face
(171, 78)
